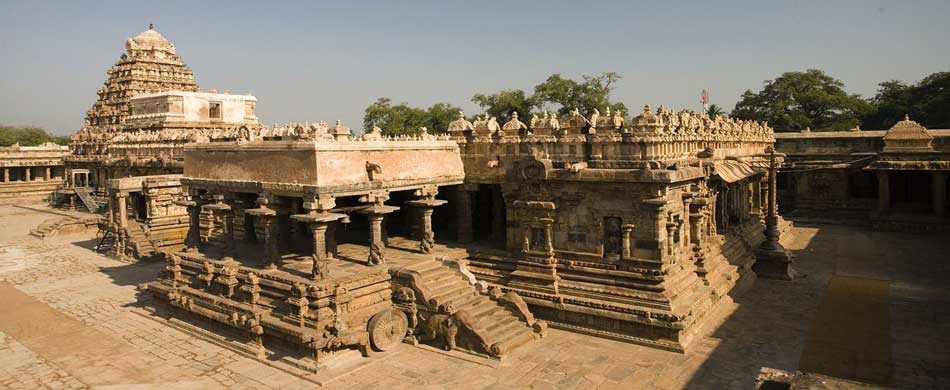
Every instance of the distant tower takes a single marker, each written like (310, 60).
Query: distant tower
(704, 99)
(150, 64)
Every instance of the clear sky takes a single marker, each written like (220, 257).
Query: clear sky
(309, 61)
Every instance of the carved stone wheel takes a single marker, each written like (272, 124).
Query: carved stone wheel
(387, 329)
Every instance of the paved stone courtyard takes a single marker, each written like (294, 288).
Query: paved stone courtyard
(71, 318)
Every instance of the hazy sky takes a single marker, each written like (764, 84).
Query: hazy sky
(309, 61)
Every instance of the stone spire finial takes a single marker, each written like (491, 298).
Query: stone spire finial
(151, 26)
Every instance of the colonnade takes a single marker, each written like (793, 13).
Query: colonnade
(32, 173)
(938, 188)
(212, 222)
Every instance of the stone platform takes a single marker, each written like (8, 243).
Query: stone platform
(91, 294)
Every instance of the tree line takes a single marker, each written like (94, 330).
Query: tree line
(791, 102)
(813, 99)
(556, 93)
(28, 136)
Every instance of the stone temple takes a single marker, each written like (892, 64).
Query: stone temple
(306, 233)
(308, 240)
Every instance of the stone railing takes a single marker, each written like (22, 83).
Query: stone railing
(663, 135)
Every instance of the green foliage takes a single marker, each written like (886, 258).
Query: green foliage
(501, 104)
(927, 102)
(796, 100)
(593, 92)
(402, 119)
(715, 110)
(28, 136)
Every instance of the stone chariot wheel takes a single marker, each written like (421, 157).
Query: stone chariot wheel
(387, 329)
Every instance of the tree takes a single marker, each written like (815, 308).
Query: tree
(796, 100)
(593, 92)
(927, 102)
(586, 95)
(715, 110)
(892, 102)
(439, 115)
(28, 136)
(932, 101)
(402, 119)
(501, 104)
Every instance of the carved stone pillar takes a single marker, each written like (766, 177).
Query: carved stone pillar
(318, 227)
(427, 236)
(192, 239)
(772, 260)
(375, 215)
(939, 188)
(28, 173)
(123, 218)
(670, 234)
(628, 247)
(222, 210)
(266, 218)
(464, 214)
(686, 223)
(883, 192)
(755, 203)
(658, 225)
(6, 175)
(47, 175)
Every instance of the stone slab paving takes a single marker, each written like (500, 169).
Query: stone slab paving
(767, 326)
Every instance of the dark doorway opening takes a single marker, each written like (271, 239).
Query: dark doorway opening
(910, 192)
(489, 215)
(862, 184)
(139, 208)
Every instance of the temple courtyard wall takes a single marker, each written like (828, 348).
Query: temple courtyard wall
(60, 286)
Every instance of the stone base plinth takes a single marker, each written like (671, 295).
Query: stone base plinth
(774, 263)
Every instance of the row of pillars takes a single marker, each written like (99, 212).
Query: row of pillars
(11, 174)
(322, 223)
(938, 186)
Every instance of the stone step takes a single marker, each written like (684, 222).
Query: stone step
(520, 338)
(507, 330)
(447, 281)
(497, 321)
(426, 266)
(483, 307)
(465, 300)
(454, 291)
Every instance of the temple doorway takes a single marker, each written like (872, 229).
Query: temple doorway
(139, 207)
(911, 192)
(489, 224)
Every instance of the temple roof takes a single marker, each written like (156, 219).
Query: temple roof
(150, 40)
(907, 136)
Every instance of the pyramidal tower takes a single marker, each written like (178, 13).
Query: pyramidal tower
(149, 64)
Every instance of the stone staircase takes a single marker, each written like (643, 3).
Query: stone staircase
(49, 227)
(68, 224)
(494, 323)
(139, 242)
(88, 200)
